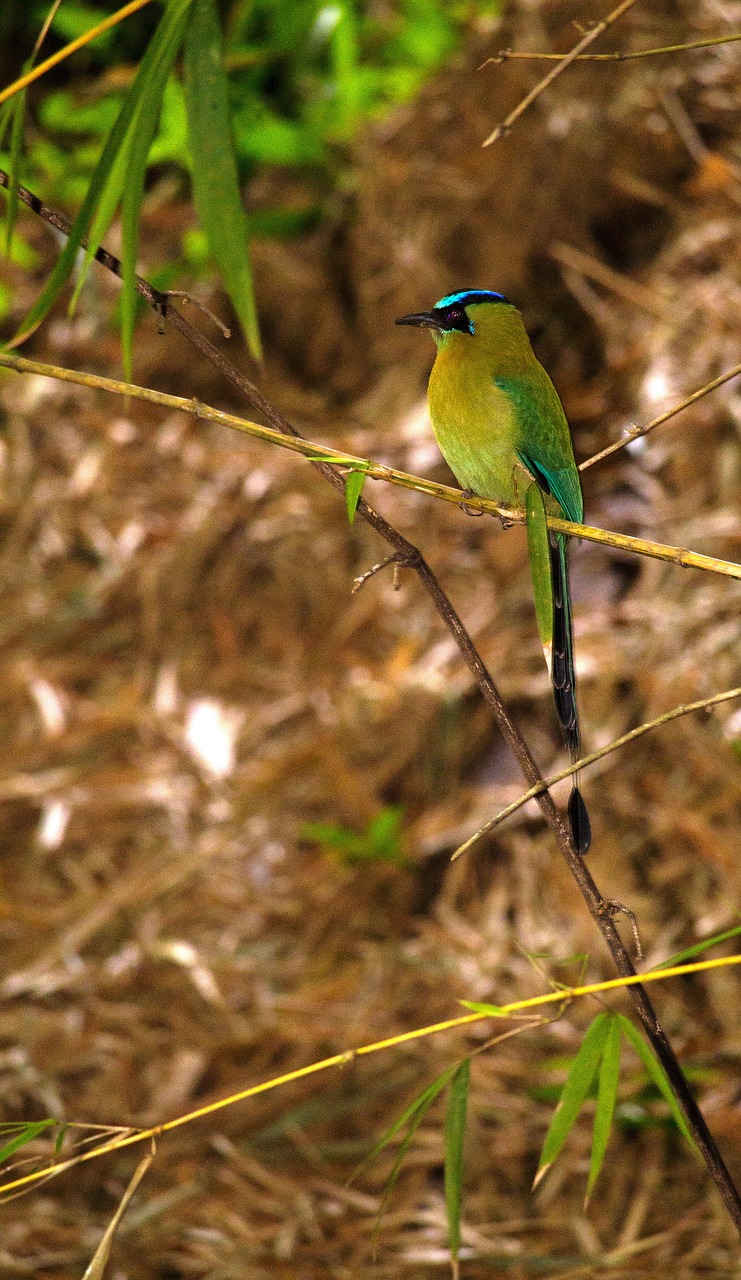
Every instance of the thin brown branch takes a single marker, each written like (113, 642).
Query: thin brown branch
(593, 34)
(635, 432)
(592, 758)
(409, 556)
(376, 470)
(508, 55)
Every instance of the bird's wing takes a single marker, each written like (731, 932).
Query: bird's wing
(544, 445)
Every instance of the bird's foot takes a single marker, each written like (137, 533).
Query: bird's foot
(463, 504)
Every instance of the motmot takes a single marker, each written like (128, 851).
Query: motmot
(501, 428)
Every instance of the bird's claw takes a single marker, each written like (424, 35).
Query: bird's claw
(463, 504)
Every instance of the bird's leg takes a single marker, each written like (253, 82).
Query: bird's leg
(463, 504)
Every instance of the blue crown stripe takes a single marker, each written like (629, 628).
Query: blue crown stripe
(468, 297)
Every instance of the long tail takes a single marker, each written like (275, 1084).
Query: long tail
(564, 684)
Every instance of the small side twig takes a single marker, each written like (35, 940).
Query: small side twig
(592, 758)
(636, 432)
(509, 55)
(593, 34)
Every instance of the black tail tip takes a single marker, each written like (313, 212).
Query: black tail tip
(581, 827)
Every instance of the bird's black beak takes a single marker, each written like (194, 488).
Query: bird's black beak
(421, 320)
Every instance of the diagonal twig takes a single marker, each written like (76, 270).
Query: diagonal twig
(130, 1138)
(87, 36)
(592, 758)
(509, 55)
(593, 34)
(635, 432)
(376, 470)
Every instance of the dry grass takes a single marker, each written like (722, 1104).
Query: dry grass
(167, 935)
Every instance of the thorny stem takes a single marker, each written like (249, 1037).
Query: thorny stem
(410, 557)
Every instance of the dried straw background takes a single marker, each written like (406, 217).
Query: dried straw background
(167, 935)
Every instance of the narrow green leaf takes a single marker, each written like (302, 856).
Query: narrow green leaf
(540, 565)
(354, 482)
(657, 1075)
(480, 1006)
(125, 177)
(59, 1139)
(336, 459)
(413, 1115)
(690, 953)
(27, 1133)
(18, 114)
(575, 1090)
(609, 1076)
(6, 116)
(215, 179)
(141, 136)
(455, 1132)
(101, 175)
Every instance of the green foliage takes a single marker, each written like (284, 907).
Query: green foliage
(353, 488)
(291, 87)
(74, 19)
(380, 842)
(120, 151)
(691, 953)
(21, 1134)
(599, 1059)
(215, 181)
(303, 79)
(458, 1077)
(455, 1132)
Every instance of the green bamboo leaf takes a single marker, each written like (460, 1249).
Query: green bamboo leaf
(215, 179)
(27, 1133)
(110, 157)
(6, 117)
(480, 1006)
(455, 1132)
(413, 1115)
(17, 106)
(125, 178)
(690, 953)
(538, 545)
(354, 482)
(657, 1075)
(141, 136)
(609, 1076)
(575, 1090)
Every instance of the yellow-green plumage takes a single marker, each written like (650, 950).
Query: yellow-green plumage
(501, 426)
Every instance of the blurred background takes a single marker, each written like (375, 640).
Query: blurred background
(229, 788)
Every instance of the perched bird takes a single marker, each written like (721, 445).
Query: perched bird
(501, 427)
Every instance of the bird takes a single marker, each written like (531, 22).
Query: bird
(501, 428)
